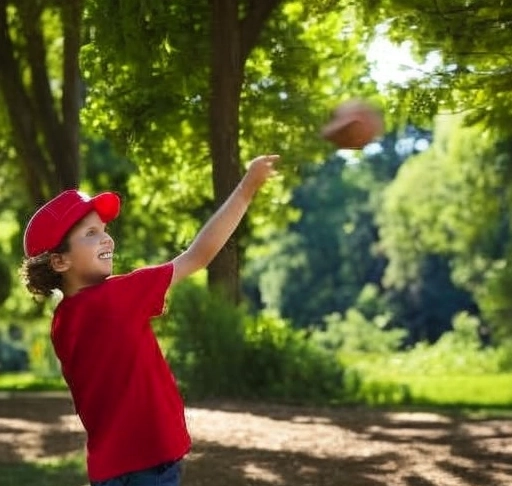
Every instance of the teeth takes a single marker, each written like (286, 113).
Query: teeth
(105, 256)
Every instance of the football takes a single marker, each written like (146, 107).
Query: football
(354, 124)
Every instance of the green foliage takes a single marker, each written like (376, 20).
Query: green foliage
(459, 211)
(354, 333)
(5, 280)
(281, 363)
(322, 261)
(456, 370)
(306, 62)
(372, 305)
(39, 91)
(474, 40)
(218, 351)
(43, 361)
(450, 207)
(335, 254)
(207, 342)
(465, 390)
(494, 297)
(34, 341)
(376, 391)
(455, 353)
(30, 381)
(147, 68)
(9, 227)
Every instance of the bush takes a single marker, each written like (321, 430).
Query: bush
(5, 280)
(218, 350)
(456, 352)
(282, 363)
(205, 342)
(355, 333)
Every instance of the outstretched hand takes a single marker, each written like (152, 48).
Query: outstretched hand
(259, 170)
(219, 228)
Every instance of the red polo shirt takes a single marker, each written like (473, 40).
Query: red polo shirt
(123, 389)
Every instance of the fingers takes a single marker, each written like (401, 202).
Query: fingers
(271, 158)
(261, 168)
(268, 160)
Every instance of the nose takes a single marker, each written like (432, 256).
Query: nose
(106, 239)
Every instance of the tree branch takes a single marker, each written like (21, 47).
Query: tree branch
(258, 12)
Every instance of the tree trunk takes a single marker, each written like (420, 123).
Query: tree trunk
(71, 93)
(44, 128)
(226, 81)
(21, 113)
(233, 37)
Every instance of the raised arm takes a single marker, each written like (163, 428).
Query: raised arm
(216, 232)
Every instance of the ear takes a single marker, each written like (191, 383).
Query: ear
(59, 262)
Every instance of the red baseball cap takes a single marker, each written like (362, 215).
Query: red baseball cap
(51, 222)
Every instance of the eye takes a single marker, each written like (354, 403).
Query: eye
(90, 232)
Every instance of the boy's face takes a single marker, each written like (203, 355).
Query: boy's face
(89, 259)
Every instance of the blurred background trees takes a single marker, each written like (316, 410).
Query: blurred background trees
(165, 101)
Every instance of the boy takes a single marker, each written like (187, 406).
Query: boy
(122, 388)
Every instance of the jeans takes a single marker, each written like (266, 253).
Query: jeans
(167, 474)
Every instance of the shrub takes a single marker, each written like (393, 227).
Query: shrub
(218, 350)
(205, 341)
(355, 333)
(282, 363)
(456, 352)
(5, 280)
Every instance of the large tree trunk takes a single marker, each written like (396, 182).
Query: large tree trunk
(226, 83)
(233, 38)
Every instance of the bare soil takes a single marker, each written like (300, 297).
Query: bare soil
(259, 444)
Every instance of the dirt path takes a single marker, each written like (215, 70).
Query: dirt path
(256, 444)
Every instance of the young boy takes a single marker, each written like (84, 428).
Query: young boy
(122, 388)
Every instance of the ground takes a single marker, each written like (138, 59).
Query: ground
(259, 445)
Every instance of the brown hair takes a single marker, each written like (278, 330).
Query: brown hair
(38, 274)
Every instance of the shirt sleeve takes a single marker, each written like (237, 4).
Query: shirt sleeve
(146, 287)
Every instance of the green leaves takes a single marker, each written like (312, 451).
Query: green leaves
(474, 40)
(441, 202)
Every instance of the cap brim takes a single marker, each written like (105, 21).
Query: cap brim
(107, 205)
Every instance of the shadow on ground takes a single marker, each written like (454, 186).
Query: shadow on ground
(257, 444)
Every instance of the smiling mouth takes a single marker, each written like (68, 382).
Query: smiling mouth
(106, 255)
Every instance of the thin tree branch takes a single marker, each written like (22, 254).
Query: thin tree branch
(252, 24)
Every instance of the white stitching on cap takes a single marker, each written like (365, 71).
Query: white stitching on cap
(84, 196)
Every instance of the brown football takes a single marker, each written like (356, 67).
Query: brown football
(354, 124)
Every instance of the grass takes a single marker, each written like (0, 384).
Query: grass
(429, 378)
(482, 390)
(370, 380)
(69, 471)
(381, 385)
(30, 382)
